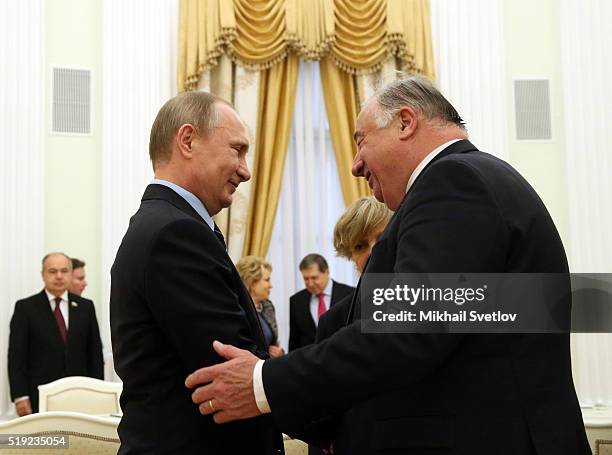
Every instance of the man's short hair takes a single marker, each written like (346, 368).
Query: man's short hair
(419, 93)
(77, 263)
(55, 253)
(357, 223)
(314, 259)
(195, 108)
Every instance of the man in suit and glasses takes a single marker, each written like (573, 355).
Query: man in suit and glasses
(174, 288)
(54, 334)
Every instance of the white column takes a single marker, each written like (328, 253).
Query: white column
(139, 40)
(587, 92)
(22, 128)
(469, 54)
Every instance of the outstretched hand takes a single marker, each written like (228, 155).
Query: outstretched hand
(226, 389)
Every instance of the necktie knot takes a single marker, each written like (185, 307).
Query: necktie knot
(219, 235)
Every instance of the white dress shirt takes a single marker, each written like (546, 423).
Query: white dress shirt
(258, 388)
(63, 304)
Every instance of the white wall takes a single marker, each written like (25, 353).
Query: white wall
(21, 164)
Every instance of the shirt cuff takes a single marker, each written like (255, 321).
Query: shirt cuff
(260, 394)
(18, 399)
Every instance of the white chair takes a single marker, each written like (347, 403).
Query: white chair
(598, 424)
(293, 446)
(80, 394)
(85, 434)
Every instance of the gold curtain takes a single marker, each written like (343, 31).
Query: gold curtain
(341, 106)
(357, 36)
(351, 39)
(276, 101)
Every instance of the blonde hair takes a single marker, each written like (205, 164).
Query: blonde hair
(357, 222)
(251, 269)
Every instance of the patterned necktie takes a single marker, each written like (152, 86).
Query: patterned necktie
(219, 235)
(322, 308)
(59, 318)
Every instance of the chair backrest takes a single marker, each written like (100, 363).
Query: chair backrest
(294, 446)
(603, 447)
(85, 434)
(80, 394)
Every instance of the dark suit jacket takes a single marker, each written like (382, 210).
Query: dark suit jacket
(37, 355)
(473, 394)
(174, 290)
(334, 319)
(302, 328)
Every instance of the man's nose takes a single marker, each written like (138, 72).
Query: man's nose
(243, 171)
(358, 165)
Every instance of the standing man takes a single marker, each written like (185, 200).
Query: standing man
(174, 289)
(457, 210)
(54, 334)
(78, 282)
(308, 305)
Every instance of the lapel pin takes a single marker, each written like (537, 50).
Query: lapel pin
(74, 304)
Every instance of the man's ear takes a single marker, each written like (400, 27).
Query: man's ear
(184, 138)
(408, 122)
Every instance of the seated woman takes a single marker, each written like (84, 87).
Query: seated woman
(255, 273)
(355, 234)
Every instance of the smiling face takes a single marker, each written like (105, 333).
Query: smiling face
(382, 156)
(260, 289)
(219, 160)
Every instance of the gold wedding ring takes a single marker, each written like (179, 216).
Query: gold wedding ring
(212, 408)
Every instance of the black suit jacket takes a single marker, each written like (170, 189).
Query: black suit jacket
(334, 319)
(37, 355)
(174, 290)
(445, 393)
(302, 328)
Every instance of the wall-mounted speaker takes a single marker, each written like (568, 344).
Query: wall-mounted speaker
(532, 109)
(71, 106)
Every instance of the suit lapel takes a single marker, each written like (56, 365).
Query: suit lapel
(162, 192)
(75, 316)
(334, 294)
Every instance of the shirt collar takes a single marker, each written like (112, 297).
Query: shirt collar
(191, 199)
(435, 152)
(51, 297)
(328, 288)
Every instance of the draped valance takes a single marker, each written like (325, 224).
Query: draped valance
(356, 35)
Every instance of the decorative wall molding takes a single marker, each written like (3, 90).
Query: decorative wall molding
(22, 131)
(587, 93)
(139, 47)
(468, 39)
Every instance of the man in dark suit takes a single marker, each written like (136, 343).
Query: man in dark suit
(174, 288)
(457, 210)
(54, 334)
(308, 305)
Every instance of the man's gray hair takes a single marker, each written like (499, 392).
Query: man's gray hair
(420, 94)
(55, 253)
